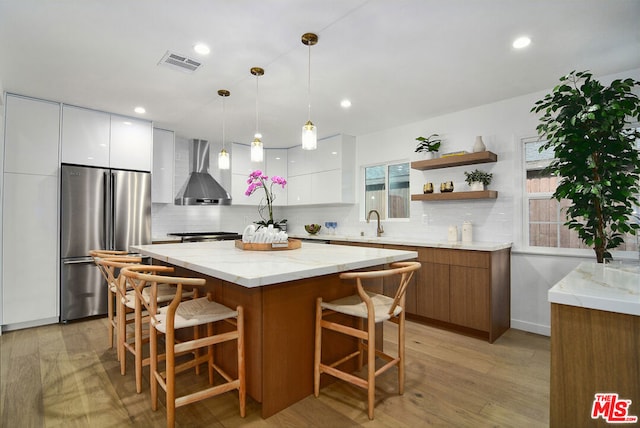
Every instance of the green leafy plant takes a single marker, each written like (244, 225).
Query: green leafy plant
(429, 144)
(478, 176)
(596, 156)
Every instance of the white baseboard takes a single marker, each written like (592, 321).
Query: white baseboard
(544, 330)
(29, 324)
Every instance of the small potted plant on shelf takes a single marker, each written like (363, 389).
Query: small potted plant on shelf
(429, 145)
(478, 179)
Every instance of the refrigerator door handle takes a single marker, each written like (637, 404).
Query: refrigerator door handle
(108, 205)
(112, 211)
(77, 261)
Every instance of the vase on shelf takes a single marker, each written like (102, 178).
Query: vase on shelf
(429, 155)
(479, 146)
(477, 185)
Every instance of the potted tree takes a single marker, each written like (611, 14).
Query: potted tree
(595, 155)
(478, 179)
(429, 145)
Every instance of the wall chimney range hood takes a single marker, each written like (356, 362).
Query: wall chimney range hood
(201, 188)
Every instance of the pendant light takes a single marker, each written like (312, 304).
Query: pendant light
(223, 156)
(309, 130)
(257, 153)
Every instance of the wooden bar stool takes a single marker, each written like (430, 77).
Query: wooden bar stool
(372, 308)
(181, 314)
(135, 301)
(111, 289)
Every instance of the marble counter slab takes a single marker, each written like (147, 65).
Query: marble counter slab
(223, 260)
(391, 240)
(597, 286)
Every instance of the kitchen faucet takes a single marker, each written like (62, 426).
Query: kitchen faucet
(379, 230)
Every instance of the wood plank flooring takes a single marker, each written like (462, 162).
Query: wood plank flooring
(66, 375)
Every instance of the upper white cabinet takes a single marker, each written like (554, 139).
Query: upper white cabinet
(85, 136)
(241, 167)
(325, 175)
(163, 166)
(32, 136)
(131, 142)
(276, 164)
(96, 138)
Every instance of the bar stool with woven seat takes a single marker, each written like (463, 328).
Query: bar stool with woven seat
(111, 289)
(181, 314)
(372, 308)
(128, 302)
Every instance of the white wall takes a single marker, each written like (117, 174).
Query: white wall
(2, 106)
(502, 126)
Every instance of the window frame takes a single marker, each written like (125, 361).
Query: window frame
(363, 188)
(525, 227)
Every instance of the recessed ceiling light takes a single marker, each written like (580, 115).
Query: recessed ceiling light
(202, 49)
(521, 42)
(345, 103)
(140, 110)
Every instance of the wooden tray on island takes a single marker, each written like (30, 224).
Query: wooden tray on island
(291, 244)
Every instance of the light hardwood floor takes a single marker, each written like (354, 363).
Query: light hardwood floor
(65, 375)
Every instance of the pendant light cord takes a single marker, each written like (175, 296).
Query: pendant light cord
(223, 122)
(257, 104)
(309, 82)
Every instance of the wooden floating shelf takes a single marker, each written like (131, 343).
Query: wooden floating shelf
(456, 160)
(452, 196)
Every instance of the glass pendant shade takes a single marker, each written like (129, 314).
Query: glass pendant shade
(309, 136)
(223, 160)
(257, 154)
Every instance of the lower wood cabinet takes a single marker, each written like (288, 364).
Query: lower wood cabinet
(467, 291)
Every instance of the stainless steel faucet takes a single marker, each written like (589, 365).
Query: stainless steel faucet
(379, 230)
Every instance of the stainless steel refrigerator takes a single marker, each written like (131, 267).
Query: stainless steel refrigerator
(101, 209)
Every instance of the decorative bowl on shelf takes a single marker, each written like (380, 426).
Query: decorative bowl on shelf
(312, 229)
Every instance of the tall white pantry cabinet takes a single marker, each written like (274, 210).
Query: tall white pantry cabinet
(39, 135)
(30, 211)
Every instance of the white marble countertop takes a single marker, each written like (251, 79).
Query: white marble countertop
(598, 286)
(396, 240)
(223, 260)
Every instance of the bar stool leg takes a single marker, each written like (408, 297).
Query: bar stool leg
(242, 390)
(371, 365)
(318, 351)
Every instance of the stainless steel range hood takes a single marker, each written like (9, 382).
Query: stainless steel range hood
(201, 188)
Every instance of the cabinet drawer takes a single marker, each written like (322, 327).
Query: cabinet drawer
(434, 255)
(479, 259)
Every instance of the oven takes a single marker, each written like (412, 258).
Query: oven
(206, 236)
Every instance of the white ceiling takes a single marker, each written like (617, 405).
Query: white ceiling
(398, 61)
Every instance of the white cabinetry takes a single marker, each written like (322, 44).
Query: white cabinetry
(241, 167)
(325, 175)
(85, 136)
(276, 164)
(162, 174)
(30, 207)
(96, 138)
(131, 143)
(32, 133)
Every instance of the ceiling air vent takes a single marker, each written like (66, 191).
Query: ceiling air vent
(179, 62)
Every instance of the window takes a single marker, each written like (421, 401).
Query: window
(545, 216)
(387, 190)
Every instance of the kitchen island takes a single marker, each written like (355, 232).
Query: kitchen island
(277, 290)
(595, 342)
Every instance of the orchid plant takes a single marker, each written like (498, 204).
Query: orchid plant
(256, 181)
